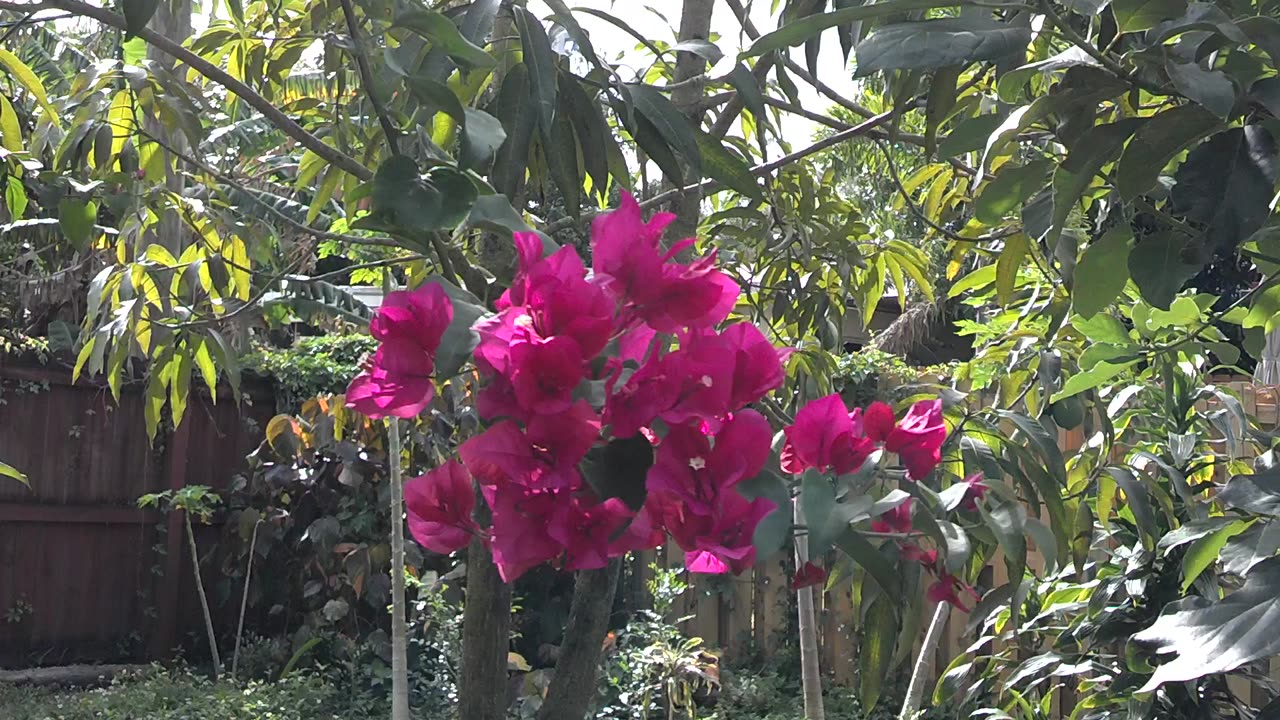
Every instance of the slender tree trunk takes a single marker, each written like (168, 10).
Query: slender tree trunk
(695, 24)
(244, 596)
(204, 600)
(399, 629)
(932, 636)
(173, 20)
(486, 626)
(810, 671)
(574, 684)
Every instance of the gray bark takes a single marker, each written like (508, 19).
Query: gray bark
(172, 20)
(486, 625)
(574, 684)
(695, 24)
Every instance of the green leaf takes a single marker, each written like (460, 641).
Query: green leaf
(1007, 265)
(309, 298)
(1257, 494)
(153, 400)
(671, 125)
(560, 148)
(1138, 500)
(618, 469)
(15, 197)
(413, 203)
(494, 212)
(208, 371)
(1010, 189)
(957, 544)
(1204, 551)
(1089, 379)
(443, 34)
(940, 103)
(1010, 86)
(515, 108)
(818, 498)
(1158, 268)
(969, 135)
(1139, 15)
(1162, 138)
(10, 134)
(774, 529)
(1207, 638)
(460, 338)
(10, 471)
(727, 168)
(541, 60)
(592, 131)
(875, 652)
(76, 218)
(137, 13)
(937, 43)
(748, 89)
(1243, 552)
(1104, 329)
(797, 33)
(1098, 146)
(1008, 522)
(702, 48)
(979, 278)
(1225, 185)
(1210, 88)
(226, 356)
(1102, 273)
(867, 556)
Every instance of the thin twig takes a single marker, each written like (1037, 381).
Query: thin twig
(366, 77)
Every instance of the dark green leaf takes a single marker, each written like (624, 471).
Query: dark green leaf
(1104, 329)
(460, 338)
(1086, 7)
(940, 103)
(309, 298)
(1258, 494)
(772, 532)
(494, 212)
(1216, 637)
(443, 34)
(704, 49)
(957, 544)
(593, 133)
(727, 168)
(1159, 267)
(748, 89)
(1098, 146)
(969, 135)
(618, 469)
(673, 127)
(1199, 16)
(818, 499)
(515, 108)
(938, 43)
(652, 143)
(1162, 138)
(137, 13)
(1139, 15)
(870, 558)
(1102, 273)
(1008, 522)
(412, 203)
(1266, 92)
(879, 638)
(797, 33)
(76, 218)
(560, 147)
(1138, 500)
(1010, 189)
(1090, 379)
(1011, 83)
(1210, 88)
(1226, 185)
(621, 25)
(541, 61)
(482, 135)
(1244, 551)
(437, 96)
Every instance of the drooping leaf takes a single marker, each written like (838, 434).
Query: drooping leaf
(724, 166)
(137, 13)
(969, 135)
(514, 106)
(1098, 146)
(1212, 89)
(1256, 494)
(440, 31)
(482, 135)
(10, 132)
(76, 218)
(591, 129)
(670, 124)
(1225, 185)
(879, 639)
(937, 43)
(1101, 275)
(1206, 637)
(560, 148)
(541, 61)
(797, 33)
(309, 298)
(818, 498)
(1244, 551)
(1159, 141)
(494, 212)
(867, 556)
(1204, 551)
(1159, 265)
(1138, 500)
(774, 530)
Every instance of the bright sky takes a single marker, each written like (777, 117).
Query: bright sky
(659, 19)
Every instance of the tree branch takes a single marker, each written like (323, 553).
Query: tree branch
(210, 71)
(366, 77)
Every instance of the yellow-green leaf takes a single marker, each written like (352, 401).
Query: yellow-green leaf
(28, 80)
(10, 128)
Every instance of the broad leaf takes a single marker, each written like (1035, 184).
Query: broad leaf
(1244, 551)
(1098, 146)
(76, 219)
(879, 639)
(514, 106)
(137, 13)
(869, 557)
(460, 338)
(1204, 551)
(494, 212)
(618, 469)
(772, 532)
(7, 470)
(672, 126)
(1211, 88)
(482, 135)
(1160, 265)
(1162, 138)
(1225, 185)
(1207, 637)
(722, 165)
(938, 43)
(1139, 15)
(443, 34)
(1256, 494)
(1101, 275)
(1010, 189)
(799, 32)
(413, 203)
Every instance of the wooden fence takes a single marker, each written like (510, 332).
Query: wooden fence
(756, 612)
(84, 574)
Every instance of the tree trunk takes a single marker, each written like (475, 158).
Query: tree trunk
(173, 20)
(695, 24)
(810, 671)
(399, 627)
(932, 636)
(574, 684)
(486, 625)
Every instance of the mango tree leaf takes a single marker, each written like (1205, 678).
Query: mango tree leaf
(704, 49)
(937, 43)
(494, 212)
(1257, 494)
(560, 148)
(879, 638)
(1101, 275)
(1162, 138)
(405, 199)
(1210, 88)
(31, 82)
(1159, 268)
(1225, 185)
(482, 135)
(670, 124)
(591, 129)
(1208, 638)
(1011, 83)
(969, 135)
(1139, 15)
(137, 13)
(443, 34)
(1010, 189)
(76, 218)
(1098, 146)
(459, 339)
(797, 33)
(728, 169)
(541, 60)
(514, 106)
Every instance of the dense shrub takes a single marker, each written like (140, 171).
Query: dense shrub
(321, 365)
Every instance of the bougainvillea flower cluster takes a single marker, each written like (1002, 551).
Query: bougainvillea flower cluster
(397, 381)
(572, 360)
(827, 436)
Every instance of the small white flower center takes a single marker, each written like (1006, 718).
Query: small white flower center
(697, 463)
(525, 321)
(706, 380)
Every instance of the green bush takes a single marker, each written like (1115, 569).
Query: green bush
(178, 695)
(313, 366)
